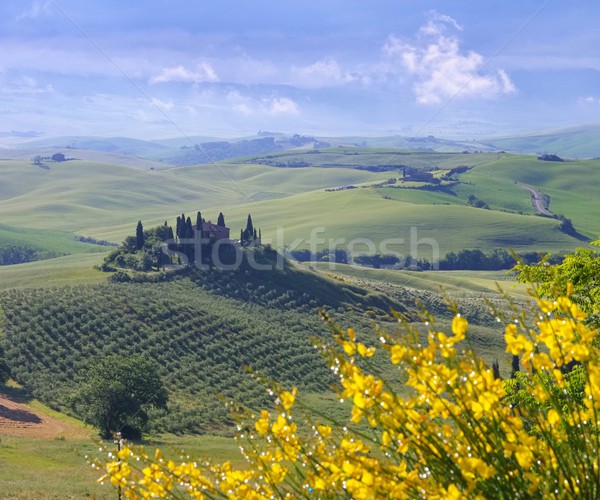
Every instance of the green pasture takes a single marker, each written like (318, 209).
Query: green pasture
(362, 216)
(68, 270)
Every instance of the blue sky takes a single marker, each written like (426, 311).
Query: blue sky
(224, 68)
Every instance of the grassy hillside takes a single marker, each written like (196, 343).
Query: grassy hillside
(455, 283)
(570, 185)
(18, 245)
(354, 157)
(105, 201)
(363, 215)
(574, 142)
(202, 328)
(68, 270)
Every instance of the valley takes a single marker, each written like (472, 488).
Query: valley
(60, 311)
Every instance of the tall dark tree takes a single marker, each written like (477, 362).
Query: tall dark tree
(496, 369)
(178, 230)
(189, 230)
(189, 234)
(221, 220)
(199, 221)
(250, 226)
(139, 236)
(515, 368)
(4, 370)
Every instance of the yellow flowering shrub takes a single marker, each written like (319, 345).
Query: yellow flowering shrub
(453, 431)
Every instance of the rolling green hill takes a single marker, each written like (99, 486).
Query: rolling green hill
(18, 245)
(104, 201)
(202, 328)
(573, 142)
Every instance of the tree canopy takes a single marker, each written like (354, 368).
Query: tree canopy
(117, 393)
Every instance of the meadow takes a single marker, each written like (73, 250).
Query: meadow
(202, 328)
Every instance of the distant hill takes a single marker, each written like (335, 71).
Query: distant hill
(187, 151)
(116, 145)
(574, 142)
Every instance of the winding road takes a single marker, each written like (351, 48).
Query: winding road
(536, 199)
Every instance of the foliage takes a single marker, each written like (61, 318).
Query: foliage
(201, 333)
(473, 201)
(580, 269)
(4, 370)
(117, 392)
(549, 157)
(455, 431)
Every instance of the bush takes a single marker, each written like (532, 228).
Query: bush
(454, 430)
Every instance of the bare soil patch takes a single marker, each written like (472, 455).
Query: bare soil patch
(17, 418)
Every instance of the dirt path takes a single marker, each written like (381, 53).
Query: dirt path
(536, 199)
(17, 418)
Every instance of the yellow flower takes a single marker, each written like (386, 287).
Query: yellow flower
(262, 424)
(459, 326)
(364, 351)
(516, 344)
(397, 353)
(288, 398)
(324, 430)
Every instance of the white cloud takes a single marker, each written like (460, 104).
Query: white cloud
(38, 9)
(204, 72)
(162, 105)
(323, 73)
(442, 71)
(281, 106)
(265, 105)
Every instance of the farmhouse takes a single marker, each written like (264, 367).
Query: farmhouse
(213, 232)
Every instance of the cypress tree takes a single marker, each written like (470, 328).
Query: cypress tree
(242, 236)
(515, 366)
(139, 236)
(496, 369)
(221, 220)
(255, 235)
(249, 226)
(189, 233)
(178, 228)
(199, 220)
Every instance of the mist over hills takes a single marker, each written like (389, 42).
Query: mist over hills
(574, 142)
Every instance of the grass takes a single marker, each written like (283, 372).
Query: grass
(48, 469)
(69, 270)
(362, 215)
(105, 201)
(36, 469)
(574, 142)
(455, 283)
(572, 191)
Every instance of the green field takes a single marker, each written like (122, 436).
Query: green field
(201, 328)
(69, 270)
(41, 469)
(105, 201)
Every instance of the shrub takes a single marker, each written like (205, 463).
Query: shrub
(454, 430)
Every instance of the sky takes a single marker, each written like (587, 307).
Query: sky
(153, 69)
